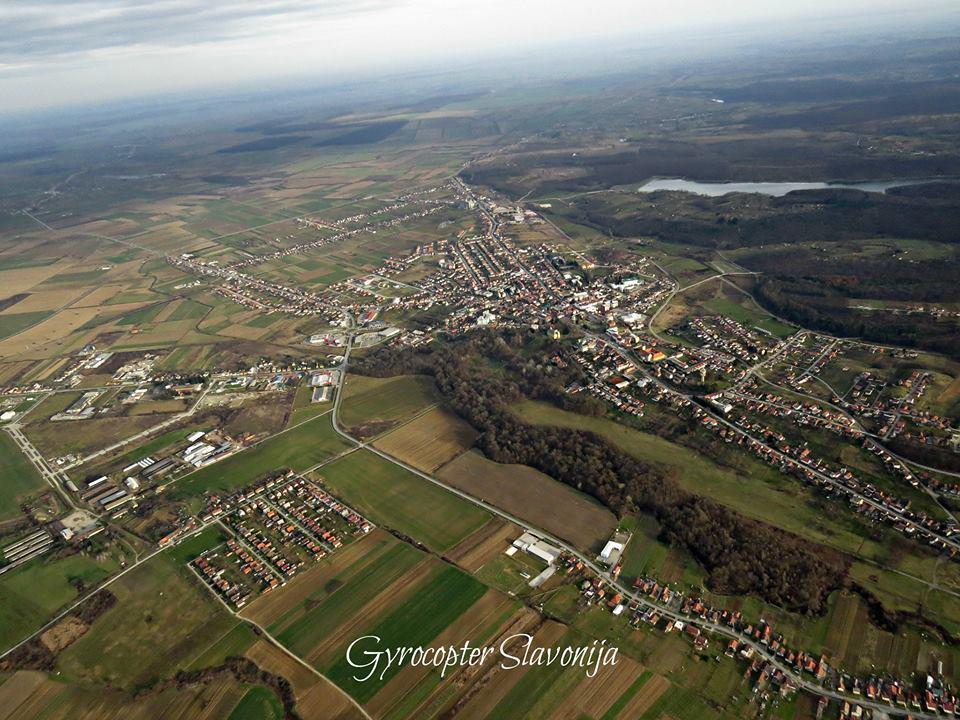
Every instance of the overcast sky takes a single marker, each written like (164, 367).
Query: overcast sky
(55, 52)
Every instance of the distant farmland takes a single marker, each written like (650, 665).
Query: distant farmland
(267, 143)
(365, 134)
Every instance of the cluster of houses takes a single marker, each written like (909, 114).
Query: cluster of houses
(891, 408)
(432, 206)
(804, 413)
(263, 529)
(215, 573)
(309, 505)
(730, 337)
(254, 292)
(864, 497)
(279, 525)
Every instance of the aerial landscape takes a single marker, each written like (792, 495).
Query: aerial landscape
(607, 373)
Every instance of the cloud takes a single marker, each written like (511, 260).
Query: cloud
(41, 30)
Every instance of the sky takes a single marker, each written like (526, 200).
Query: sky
(63, 52)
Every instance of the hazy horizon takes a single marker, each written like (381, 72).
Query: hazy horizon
(57, 54)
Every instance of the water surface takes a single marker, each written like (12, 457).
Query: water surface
(776, 189)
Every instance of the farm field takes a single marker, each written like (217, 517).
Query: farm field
(258, 703)
(396, 498)
(277, 610)
(477, 549)
(311, 624)
(429, 440)
(416, 692)
(532, 496)
(371, 405)
(18, 477)
(298, 448)
(440, 598)
(646, 555)
(315, 697)
(28, 695)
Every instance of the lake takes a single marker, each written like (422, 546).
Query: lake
(777, 189)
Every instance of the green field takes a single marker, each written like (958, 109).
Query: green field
(396, 498)
(163, 620)
(17, 322)
(258, 704)
(304, 408)
(440, 600)
(644, 555)
(18, 477)
(748, 317)
(627, 696)
(369, 399)
(190, 548)
(542, 688)
(188, 310)
(503, 572)
(32, 593)
(298, 448)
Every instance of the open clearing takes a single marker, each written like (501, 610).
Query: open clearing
(33, 592)
(532, 496)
